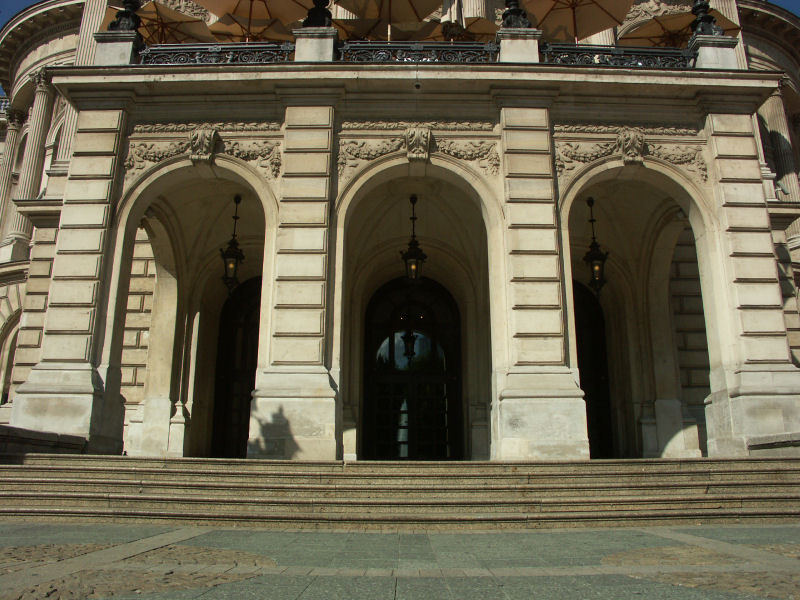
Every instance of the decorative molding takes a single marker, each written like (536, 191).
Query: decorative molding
(16, 118)
(267, 154)
(220, 127)
(41, 80)
(140, 154)
(202, 143)
(352, 152)
(632, 147)
(189, 8)
(616, 129)
(418, 142)
(647, 9)
(433, 125)
(485, 152)
(689, 157)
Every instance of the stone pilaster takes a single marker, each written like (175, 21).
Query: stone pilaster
(774, 114)
(92, 18)
(15, 245)
(293, 412)
(64, 391)
(15, 120)
(755, 389)
(541, 412)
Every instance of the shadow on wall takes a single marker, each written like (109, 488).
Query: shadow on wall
(275, 438)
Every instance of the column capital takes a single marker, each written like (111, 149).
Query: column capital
(41, 80)
(15, 118)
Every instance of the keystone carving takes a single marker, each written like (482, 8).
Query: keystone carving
(418, 142)
(630, 143)
(203, 142)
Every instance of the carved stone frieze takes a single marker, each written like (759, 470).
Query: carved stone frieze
(352, 152)
(141, 154)
(633, 148)
(435, 125)
(267, 154)
(616, 129)
(219, 126)
(188, 7)
(418, 142)
(201, 146)
(484, 152)
(647, 9)
(202, 143)
(689, 157)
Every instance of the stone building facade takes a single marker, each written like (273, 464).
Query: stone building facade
(118, 179)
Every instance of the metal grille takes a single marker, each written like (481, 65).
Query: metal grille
(212, 54)
(461, 52)
(617, 56)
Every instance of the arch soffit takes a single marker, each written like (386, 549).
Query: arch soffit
(395, 166)
(158, 179)
(654, 171)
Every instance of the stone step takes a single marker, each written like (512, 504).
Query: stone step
(355, 506)
(304, 490)
(443, 522)
(476, 478)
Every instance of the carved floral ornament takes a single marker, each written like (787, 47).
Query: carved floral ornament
(633, 148)
(203, 143)
(419, 143)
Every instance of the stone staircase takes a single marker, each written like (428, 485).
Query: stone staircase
(383, 495)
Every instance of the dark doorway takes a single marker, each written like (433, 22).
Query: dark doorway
(590, 330)
(412, 374)
(237, 355)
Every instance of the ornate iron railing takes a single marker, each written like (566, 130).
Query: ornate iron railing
(617, 56)
(253, 53)
(460, 52)
(4, 102)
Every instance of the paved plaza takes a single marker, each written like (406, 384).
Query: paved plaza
(150, 561)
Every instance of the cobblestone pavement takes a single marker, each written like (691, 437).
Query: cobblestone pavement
(76, 562)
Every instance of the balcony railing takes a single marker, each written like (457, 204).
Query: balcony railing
(617, 56)
(382, 52)
(253, 53)
(4, 102)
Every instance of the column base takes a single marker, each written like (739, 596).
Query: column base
(544, 420)
(68, 399)
(293, 417)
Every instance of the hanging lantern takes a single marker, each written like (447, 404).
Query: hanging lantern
(232, 256)
(413, 257)
(595, 257)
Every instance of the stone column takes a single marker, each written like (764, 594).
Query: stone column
(754, 405)
(15, 120)
(539, 412)
(293, 413)
(64, 392)
(93, 13)
(15, 245)
(774, 113)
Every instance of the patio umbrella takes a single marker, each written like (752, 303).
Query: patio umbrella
(391, 15)
(253, 18)
(573, 20)
(672, 31)
(466, 20)
(228, 29)
(163, 25)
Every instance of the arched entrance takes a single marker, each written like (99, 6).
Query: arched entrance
(590, 331)
(412, 373)
(237, 358)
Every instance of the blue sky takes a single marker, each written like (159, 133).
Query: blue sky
(8, 8)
